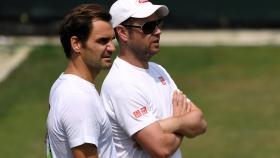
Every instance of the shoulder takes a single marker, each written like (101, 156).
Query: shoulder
(69, 85)
(158, 69)
(122, 80)
(124, 88)
(79, 107)
(156, 66)
(74, 94)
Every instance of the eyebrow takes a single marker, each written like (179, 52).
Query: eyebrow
(105, 39)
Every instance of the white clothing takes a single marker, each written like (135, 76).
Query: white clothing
(135, 98)
(76, 117)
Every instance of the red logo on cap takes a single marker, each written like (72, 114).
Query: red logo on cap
(143, 1)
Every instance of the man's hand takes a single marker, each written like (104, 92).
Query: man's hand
(190, 118)
(181, 104)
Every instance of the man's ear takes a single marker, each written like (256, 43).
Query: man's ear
(123, 33)
(75, 44)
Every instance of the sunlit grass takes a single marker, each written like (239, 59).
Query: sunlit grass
(236, 87)
(238, 90)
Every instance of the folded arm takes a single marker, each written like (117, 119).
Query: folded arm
(187, 120)
(157, 142)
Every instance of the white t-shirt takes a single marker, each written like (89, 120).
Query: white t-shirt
(135, 98)
(76, 117)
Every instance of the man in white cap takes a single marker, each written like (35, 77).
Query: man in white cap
(149, 116)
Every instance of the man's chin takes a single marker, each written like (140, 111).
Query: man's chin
(107, 62)
(108, 66)
(155, 50)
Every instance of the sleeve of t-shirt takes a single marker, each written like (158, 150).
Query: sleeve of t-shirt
(80, 120)
(132, 108)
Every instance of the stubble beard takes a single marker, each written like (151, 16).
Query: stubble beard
(144, 54)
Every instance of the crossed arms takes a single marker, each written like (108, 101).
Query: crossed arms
(163, 138)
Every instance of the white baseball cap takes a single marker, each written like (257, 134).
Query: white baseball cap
(121, 10)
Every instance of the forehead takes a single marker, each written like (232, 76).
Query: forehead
(102, 29)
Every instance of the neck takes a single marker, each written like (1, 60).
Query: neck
(133, 59)
(77, 67)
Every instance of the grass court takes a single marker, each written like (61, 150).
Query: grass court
(236, 87)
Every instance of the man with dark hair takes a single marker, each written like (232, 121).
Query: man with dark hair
(137, 93)
(77, 123)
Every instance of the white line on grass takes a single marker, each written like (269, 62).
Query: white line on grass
(10, 61)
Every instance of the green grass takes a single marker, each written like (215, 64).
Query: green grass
(236, 87)
(238, 90)
(24, 103)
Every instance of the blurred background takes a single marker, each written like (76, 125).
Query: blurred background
(42, 17)
(223, 54)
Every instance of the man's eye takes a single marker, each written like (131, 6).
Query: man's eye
(103, 41)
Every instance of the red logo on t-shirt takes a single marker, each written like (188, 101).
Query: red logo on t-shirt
(162, 80)
(140, 112)
(143, 1)
(137, 113)
(144, 110)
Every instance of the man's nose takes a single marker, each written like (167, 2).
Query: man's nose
(157, 30)
(111, 46)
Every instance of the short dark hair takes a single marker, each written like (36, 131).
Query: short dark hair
(78, 22)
